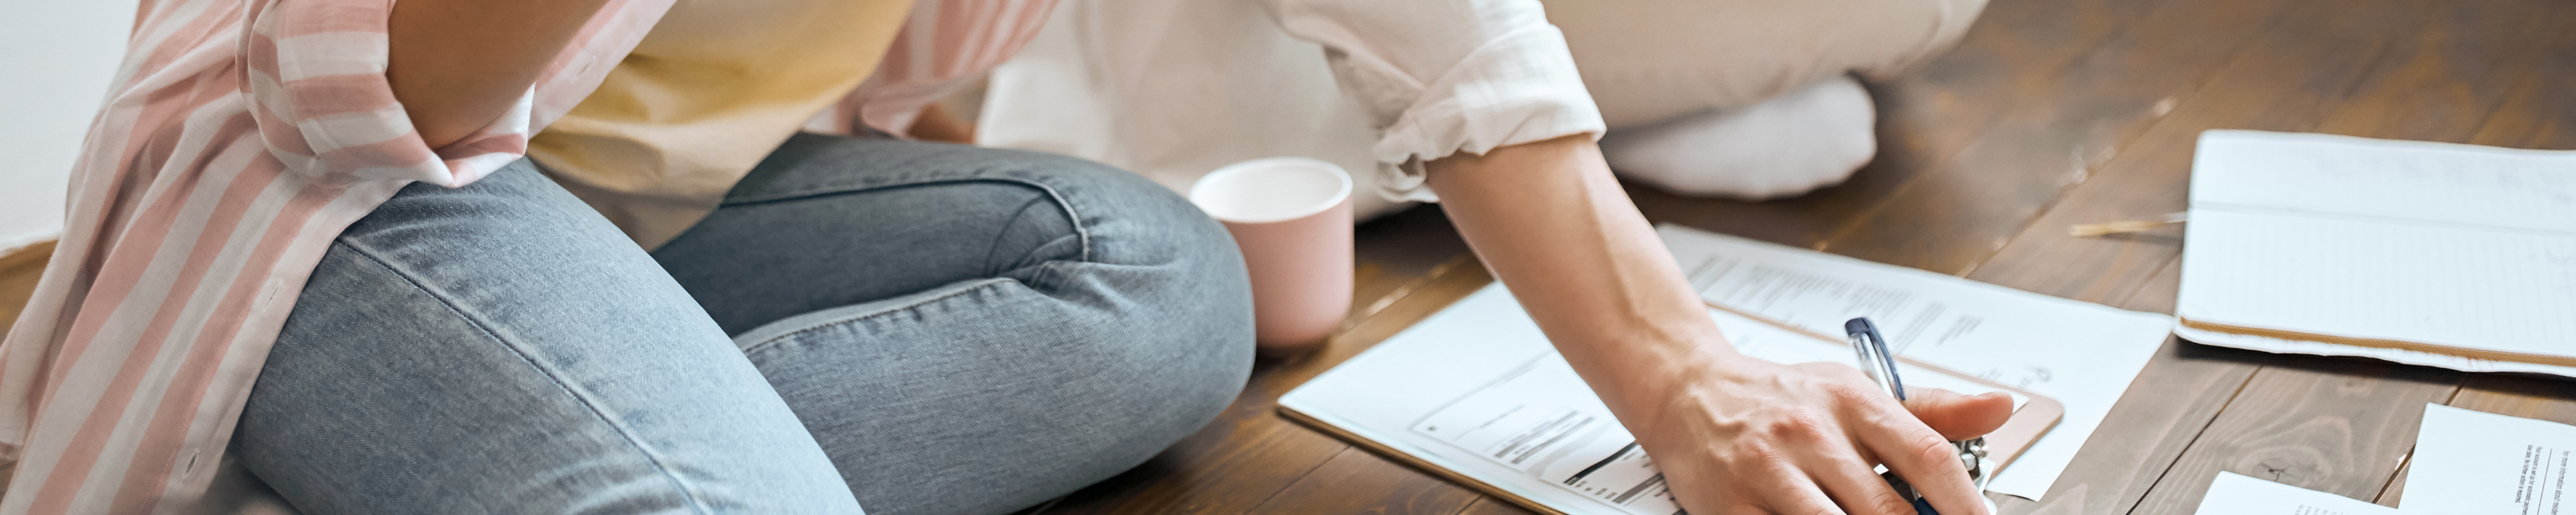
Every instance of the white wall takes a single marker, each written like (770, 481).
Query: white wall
(55, 61)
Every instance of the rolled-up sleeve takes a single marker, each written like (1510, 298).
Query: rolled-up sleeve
(1440, 77)
(315, 84)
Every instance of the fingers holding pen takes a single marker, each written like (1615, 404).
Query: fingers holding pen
(1958, 416)
(1924, 458)
(1903, 441)
(1819, 446)
(1854, 485)
(1762, 437)
(1878, 429)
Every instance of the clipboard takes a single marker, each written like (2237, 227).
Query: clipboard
(2037, 414)
(2035, 417)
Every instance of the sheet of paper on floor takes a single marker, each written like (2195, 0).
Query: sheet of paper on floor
(2238, 494)
(2469, 461)
(2080, 353)
(1476, 389)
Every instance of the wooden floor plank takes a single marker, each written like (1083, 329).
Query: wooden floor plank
(1409, 243)
(2551, 399)
(1493, 506)
(1958, 213)
(2541, 113)
(1358, 481)
(2016, 50)
(2445, 80)
(1244, 457)
(1399, 251)
(2336, 425)
(2285, 82)
(2388, 495)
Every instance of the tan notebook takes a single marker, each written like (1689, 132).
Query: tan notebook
(1476, 394)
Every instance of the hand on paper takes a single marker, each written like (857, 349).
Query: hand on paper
(1751, 436)
(1732, 434)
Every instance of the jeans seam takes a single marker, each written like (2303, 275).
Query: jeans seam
(687, 491)
(765, 344)
(1071, 215)
(1017, 214)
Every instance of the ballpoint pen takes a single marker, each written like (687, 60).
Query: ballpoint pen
(1879, 363)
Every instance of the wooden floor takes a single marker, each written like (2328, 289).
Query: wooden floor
(2050, 113)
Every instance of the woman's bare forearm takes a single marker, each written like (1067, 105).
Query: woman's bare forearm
(1552, 223)
(456, 65)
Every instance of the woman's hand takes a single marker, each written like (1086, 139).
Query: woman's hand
(1732, 434)
(1745, 436)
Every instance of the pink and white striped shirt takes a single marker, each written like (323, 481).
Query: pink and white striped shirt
(240, 137)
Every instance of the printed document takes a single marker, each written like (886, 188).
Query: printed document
(2476, 462)
(2081, 354)
(2237, 494)
(1476, 390)
(2458, 256)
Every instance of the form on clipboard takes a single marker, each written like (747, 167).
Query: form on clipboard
(1475, 393)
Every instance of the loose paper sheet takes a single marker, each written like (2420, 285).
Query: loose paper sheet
(2081, 354)
(2237, 494)
(2450, 245)
(2475, 462)
(1478, 390)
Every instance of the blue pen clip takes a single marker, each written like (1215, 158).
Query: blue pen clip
(1879, 364)
(1875, 359)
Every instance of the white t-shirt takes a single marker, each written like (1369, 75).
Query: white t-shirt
(1175, 88)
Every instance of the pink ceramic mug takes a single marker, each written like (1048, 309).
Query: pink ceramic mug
(1292, 218)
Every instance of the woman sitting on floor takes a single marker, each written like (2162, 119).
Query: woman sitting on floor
(441, 256)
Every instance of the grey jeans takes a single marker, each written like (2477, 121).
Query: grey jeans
(912, 327)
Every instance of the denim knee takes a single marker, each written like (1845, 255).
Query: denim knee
(1183, 305)
(991, 394)
(1179, 266)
